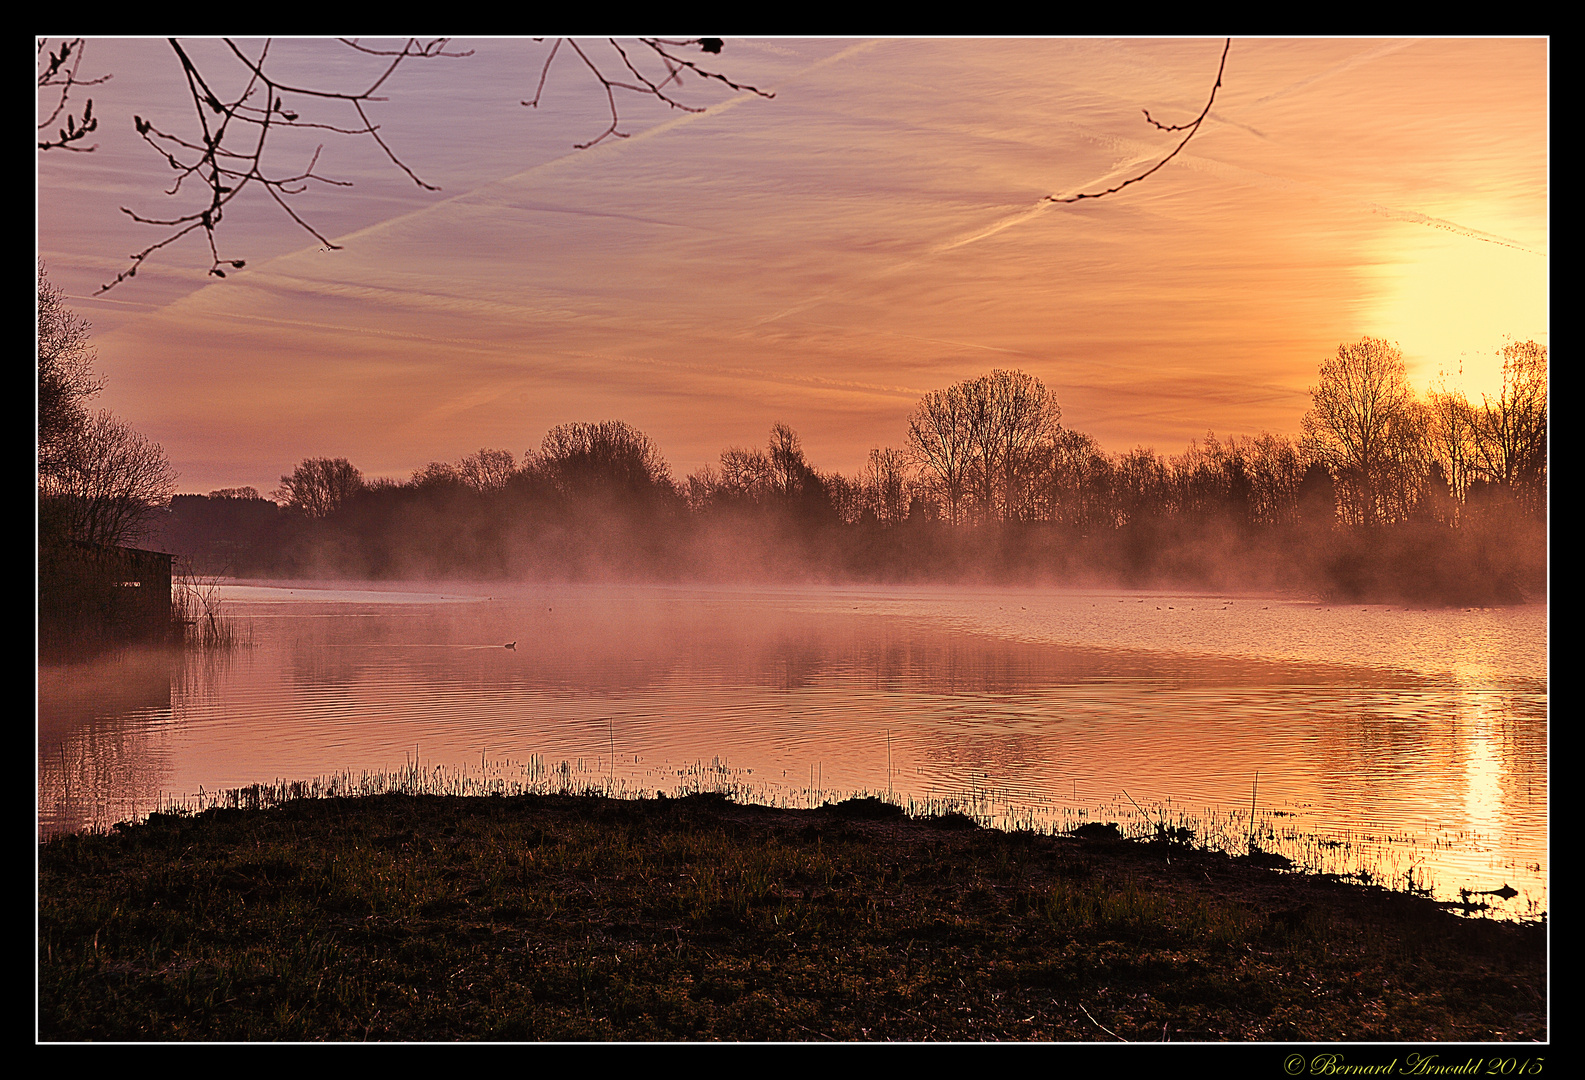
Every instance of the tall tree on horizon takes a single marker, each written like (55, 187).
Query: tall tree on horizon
(1367, 427)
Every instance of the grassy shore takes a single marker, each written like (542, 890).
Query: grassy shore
(403, 917)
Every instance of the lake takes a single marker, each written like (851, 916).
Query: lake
(1378, 741)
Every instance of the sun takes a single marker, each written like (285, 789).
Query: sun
(1451, 301)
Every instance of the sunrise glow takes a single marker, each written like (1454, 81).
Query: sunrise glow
(823, 258)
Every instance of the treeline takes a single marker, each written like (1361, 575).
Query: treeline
(1385, 495)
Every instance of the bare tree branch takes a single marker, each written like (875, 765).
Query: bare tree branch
(544, 71)
(59, 69)
(646, 86)
(1191, 128)
(226, 152)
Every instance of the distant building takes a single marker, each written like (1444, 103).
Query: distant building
(93, 591)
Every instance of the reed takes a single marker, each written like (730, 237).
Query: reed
(198, 609)
(1268, 836)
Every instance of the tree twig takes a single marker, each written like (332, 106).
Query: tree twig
(227, 151)
(1191, 128)
(59, 69)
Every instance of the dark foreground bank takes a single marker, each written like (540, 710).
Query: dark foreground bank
(561, 917)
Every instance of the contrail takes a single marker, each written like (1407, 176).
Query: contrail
(661, 128)
(991, 230)
(1451, 226)
(483, 190)
(1336, 69)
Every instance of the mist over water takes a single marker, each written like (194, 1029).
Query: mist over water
(1414, 738)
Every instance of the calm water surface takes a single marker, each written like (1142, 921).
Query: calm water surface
(1387, 740)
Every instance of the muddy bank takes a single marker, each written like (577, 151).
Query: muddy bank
(575, 917)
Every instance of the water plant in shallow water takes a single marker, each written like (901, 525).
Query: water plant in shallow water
(198, 611)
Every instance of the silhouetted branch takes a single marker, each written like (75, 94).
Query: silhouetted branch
(1191, 128)
(227, 154)
(227, 151)
(55, 72)
(674, 65)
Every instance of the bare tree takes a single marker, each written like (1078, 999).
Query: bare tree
(1075, 485)
(97, 478)
(886, 485)
(1014, 420)
(1510, 431)
(1276, 467)
(66, 378)
(1141, 485)
(107, 481)
(941, 440)
(849, 501)
(609, 456)
(1367, 428)
(1213, 479)
(320, 486)
(982, 443)
(1452, 439)
(436, 474)
(791, 475)
(745, 476)
(487, 471)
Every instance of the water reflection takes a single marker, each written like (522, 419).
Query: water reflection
(102, 742)
(1042, 705)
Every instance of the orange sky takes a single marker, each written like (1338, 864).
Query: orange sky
(821, 259)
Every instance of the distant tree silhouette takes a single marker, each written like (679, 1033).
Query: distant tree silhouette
(1013, 421)
(1451, 438)
(1142, 484)
(98, 480)
(437, 474)
(107, 480)
(745, 478)
(609, 457)
(1275, 465)
(1367, 427)
(318, 487)
(66, 378)
(1317, 498)
(488, 470)
(789, 472)
(886, 487)
(597, 501)
(1076, 486)
(1435, 503)
(941, 440)
(777, 479)
(1510, 431)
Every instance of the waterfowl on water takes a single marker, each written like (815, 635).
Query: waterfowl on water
(511, 644)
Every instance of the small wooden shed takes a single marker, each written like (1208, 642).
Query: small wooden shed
(99, 590)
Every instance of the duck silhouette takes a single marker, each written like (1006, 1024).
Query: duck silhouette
(511, 645)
